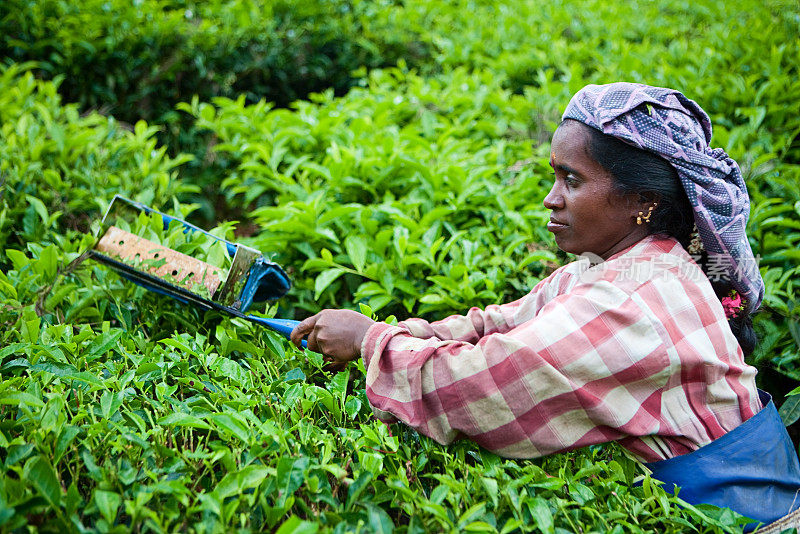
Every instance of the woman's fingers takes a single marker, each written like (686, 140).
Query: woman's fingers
(308, 327)
(305, 327)
(313, 341)
(337, 334)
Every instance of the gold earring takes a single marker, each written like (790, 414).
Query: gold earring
(646, 218)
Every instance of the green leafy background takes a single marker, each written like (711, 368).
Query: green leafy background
(392, 156)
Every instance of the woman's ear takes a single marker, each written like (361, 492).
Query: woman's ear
(643, 204)
(639, 204)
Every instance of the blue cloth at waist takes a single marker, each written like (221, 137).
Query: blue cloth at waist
(753, 469)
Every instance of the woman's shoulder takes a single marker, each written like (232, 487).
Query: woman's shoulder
(655, 278)
(654, 258)
(657, 273)
(656, 265)
(657, 262)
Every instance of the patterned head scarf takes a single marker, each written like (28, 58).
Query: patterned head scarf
(665, 122)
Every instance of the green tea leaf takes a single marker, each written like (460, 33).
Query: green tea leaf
(295, 525)
(41, 475)
(378, 520)
(18, 258)
(790, 410)
(324, 279)
(338, 384)
(20, 397)
(65, 439)
(357, 487)
(352, 406)
(356, 247)
(541, 513)
(290, 475)
(183, 420)
(233, 425)
(104, 342)
(242, 480)
(39, 206)
(108, 503)
(110, 403)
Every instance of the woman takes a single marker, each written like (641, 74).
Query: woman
(637, 342)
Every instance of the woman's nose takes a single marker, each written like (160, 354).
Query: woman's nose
(554, 200)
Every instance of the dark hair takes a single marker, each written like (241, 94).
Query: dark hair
(637, 171)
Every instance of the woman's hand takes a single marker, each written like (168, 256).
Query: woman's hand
(336, 334)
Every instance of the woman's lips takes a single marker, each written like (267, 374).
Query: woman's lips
(555, 226)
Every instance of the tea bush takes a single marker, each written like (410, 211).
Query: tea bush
(59, 170)
(416, 193)
(137, 60)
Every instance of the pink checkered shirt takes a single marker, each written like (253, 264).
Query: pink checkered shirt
(635, 349)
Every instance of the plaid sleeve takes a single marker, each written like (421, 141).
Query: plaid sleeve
(587, 367)
(494, 319)
(636, 349)
(470, 328)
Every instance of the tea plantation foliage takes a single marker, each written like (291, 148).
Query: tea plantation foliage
(416, 192)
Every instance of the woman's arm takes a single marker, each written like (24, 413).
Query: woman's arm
(494, 319)
(470, 328)
(586, 369)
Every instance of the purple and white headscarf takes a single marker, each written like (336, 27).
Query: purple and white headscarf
(665, 122)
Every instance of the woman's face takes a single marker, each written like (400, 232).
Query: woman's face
(588, 215)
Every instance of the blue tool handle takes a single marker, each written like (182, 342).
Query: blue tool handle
(282, 326)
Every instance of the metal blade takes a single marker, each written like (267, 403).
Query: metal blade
(237, 277)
